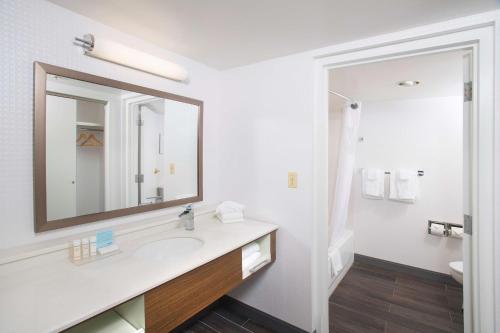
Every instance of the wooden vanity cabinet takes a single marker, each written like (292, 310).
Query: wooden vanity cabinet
(171, 304)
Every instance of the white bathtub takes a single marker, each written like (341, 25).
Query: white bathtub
(346, 247)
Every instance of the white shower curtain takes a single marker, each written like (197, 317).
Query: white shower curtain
(345, 171)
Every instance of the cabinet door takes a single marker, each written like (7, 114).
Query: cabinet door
(172, 303)
(61, 157)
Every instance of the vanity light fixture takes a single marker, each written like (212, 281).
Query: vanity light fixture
(408, 83)
(117, 53)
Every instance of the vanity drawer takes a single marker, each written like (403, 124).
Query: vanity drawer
(172, 303)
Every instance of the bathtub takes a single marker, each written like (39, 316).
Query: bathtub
(346, 248)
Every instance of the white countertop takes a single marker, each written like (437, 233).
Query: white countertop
(48, 293)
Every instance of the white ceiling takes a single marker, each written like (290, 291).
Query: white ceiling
(440, 75)
(230, 33)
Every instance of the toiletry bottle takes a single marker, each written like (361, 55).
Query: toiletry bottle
(93, 246)
(76, 250)
(85, 248)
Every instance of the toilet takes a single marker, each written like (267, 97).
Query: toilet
(457, 271)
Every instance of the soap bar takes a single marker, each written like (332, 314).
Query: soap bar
(104, 238)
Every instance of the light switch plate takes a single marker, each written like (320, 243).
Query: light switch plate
(292, 179)
(172, 168)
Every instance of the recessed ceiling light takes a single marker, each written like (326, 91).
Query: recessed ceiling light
(408, 83)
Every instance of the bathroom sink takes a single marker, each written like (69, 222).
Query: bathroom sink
(168, 249)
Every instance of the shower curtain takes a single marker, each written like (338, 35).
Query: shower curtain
(345, 171)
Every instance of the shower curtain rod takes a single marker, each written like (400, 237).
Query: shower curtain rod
(354, 105)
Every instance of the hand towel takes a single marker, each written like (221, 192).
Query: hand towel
(373, 183)
(403, 185)
(250, 249)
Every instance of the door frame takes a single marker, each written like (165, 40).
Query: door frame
(480, 39)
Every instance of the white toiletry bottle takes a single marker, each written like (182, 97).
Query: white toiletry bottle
(93, 246)
(85, 248)
(77, 250)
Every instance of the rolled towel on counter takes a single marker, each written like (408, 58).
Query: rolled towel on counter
(247, 262)
(250, 249)
(437, 229)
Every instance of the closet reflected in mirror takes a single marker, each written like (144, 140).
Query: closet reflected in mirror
(112, 151)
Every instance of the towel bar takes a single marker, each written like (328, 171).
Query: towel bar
(420, 173)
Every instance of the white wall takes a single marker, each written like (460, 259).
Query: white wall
(27, 35)
(268, 129)
(424, 134)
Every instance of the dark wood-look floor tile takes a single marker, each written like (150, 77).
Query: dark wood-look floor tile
(377, 272)
(395, 328)
(257, 328)
(221, 324)
(376, 288)
(418, 305)
(420, 284)
(373, 299)
(438, 323)
(455, 303)
(199, 327)
(424, 297)
(348, 320)
(457, 317)
(230, 315)
(353, 298)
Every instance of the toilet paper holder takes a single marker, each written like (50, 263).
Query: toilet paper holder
(447, 227)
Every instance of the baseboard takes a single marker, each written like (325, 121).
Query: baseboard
(258, 316)
(420, 272)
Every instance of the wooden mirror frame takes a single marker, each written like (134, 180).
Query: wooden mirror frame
(41, 71)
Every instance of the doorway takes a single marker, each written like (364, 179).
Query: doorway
(482, 167)
(394, 241)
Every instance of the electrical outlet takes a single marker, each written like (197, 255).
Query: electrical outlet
(172, 168)
(292, 179)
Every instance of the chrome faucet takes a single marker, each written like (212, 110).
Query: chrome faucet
(188, 217)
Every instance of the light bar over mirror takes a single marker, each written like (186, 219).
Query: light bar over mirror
(108, 50)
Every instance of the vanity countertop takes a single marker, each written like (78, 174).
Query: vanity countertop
(48, 293)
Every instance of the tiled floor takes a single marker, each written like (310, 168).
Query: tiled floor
(223, 320)
(374, 299)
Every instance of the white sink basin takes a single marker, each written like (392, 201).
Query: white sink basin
(168, 249)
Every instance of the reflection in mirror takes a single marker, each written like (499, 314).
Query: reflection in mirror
(108, 148)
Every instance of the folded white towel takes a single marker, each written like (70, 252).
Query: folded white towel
(230, 216)
(373, 183)
(403, 185)
(247, 262)
(230, 212)
(230, 220)
(230, 207)
(250, 249)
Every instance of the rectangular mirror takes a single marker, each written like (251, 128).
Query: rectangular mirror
(105, 148)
